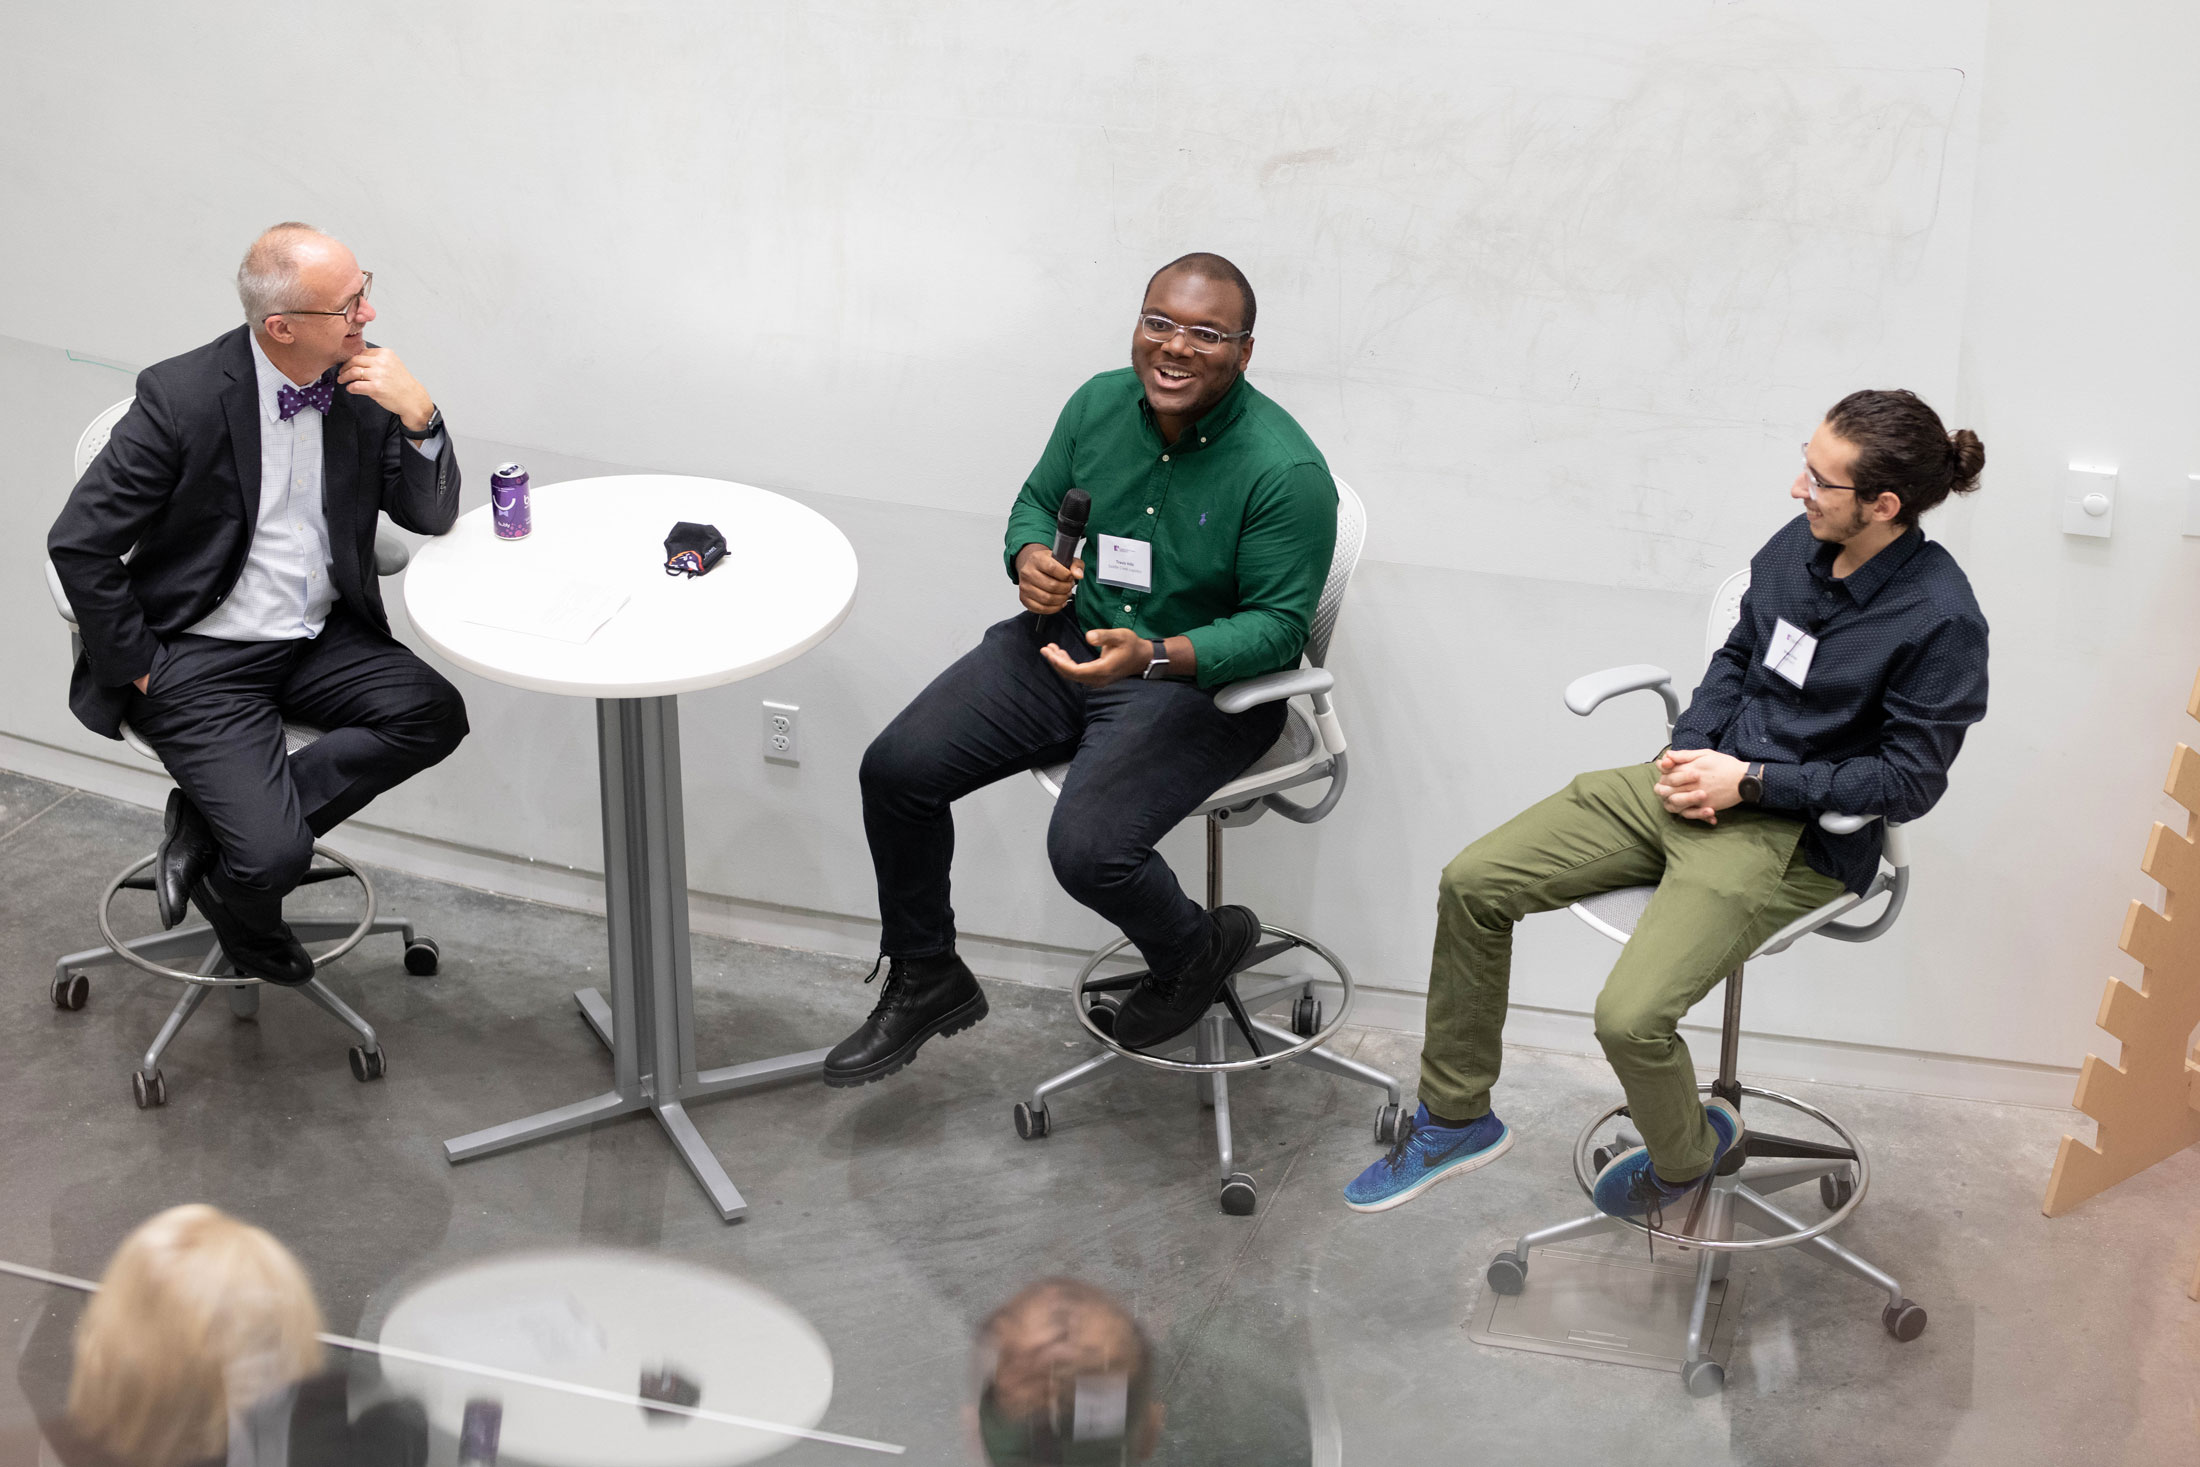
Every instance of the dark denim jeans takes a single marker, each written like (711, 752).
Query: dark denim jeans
(1143, 755)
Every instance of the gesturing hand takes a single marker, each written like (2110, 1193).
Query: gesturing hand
(1696, 784)
(1122, 653)
(377, 373)
(1041, 582)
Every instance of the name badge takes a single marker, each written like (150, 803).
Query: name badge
(1791, 651)
(1125, 563)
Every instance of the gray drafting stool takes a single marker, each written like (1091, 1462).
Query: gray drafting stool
(1761, 1163)
(1311, 747)
(71, 987)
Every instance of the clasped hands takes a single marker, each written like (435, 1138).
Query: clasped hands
(1045, 586)
(1696, 784)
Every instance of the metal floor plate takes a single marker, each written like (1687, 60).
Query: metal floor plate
(1625, 1309)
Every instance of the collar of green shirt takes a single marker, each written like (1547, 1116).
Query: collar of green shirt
(1227, 410)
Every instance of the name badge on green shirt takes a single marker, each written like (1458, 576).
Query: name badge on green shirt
(1125, 563)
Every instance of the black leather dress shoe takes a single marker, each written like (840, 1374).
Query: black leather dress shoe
(274, 953)
(1165, 1005)
(187, 852)
(923, 997)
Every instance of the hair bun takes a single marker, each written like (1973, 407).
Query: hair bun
(1966, 457)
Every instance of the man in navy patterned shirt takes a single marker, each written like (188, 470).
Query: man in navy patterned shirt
(1858, 662)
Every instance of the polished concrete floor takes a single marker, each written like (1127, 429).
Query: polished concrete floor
(894, 1217)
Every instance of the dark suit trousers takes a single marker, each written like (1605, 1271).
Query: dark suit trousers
(214, 711)
(1143, 756)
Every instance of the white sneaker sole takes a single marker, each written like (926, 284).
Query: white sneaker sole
(1452, 1169)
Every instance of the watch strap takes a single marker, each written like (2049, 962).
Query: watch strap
(435, 425)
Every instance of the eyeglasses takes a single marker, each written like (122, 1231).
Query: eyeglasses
(1818, 485)
(350, 309)
(1204, 338)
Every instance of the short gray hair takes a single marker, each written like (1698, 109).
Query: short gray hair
(267, 278)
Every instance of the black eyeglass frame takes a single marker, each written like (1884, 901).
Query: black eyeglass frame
(351, 304)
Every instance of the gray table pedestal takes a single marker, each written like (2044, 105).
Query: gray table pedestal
(649, 1024)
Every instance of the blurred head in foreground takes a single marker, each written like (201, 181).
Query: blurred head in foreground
(1065, 1376)
(197, 1316)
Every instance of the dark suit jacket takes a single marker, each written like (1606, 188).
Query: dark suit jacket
(179, 480)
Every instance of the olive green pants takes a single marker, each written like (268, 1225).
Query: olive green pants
(1722, 890)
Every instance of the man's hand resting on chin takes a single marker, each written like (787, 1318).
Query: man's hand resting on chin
(1696, 784)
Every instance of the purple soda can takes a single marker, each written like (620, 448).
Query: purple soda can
(508, 500)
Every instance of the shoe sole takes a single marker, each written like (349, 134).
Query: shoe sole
(1480, 1159)
(954, 1023)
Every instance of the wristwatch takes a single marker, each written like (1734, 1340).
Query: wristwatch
(435, 425)
(1751, 786)
(1159, 667)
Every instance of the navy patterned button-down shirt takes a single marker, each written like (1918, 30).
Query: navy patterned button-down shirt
(1899, 674)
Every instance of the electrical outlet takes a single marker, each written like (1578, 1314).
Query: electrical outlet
(782, 733)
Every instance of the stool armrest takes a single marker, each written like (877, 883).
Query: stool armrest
(1899, 885)
(1291, 809)
(1897, 846)
(60, 596)
(1583, 694)
(390, 555)
(1274, 687)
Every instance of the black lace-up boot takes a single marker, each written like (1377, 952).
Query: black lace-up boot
(922, 997)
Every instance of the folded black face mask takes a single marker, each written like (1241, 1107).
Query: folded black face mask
(692, 550)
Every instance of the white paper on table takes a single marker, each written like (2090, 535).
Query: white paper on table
(569, 613)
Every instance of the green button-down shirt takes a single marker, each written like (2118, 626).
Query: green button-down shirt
(1240, 511)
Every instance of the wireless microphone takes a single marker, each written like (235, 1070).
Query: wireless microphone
(1069, 525)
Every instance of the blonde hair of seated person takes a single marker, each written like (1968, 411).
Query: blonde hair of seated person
(197, 1313)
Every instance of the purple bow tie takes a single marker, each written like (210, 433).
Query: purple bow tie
(317, 394)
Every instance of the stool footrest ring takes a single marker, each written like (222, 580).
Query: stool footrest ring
(1285, 940)
(1849, 1150)
(338, 867)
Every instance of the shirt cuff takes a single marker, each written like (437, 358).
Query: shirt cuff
(1783, 787)
(431, 446)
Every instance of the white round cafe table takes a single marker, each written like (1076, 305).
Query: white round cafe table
(788, 579)
(600, 1319)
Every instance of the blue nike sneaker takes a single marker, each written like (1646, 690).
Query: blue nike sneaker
(1630, 1187)
(1424, 1156)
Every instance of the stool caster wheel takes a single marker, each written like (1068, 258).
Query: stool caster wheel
(1032, 1124)
(1306, 1017)
(1101, 1009)
(1835, 1191)
(70, 991)
(1602, 1156)
(1390, 1124)
(1703, 1377)
(1239, 1195)
(420, 957)
(151, 1090)
(1507, 1273)
(1905, 1321)
(367, 1064)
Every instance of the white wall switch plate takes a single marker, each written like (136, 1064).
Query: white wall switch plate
(782, 733)
(2089, 501)
(2192, 504)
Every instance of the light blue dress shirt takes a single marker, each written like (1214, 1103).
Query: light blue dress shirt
(284, 591)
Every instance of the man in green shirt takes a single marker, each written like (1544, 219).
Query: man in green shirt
(1212, 524)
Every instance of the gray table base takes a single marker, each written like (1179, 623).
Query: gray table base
(649, 1023)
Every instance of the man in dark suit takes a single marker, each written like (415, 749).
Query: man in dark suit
(246, 478)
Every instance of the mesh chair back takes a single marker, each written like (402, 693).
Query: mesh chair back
(95, 434)
(1351, 535)
(1726, 609)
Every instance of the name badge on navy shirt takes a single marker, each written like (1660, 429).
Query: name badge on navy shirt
(1126, 563)
(1791, 651)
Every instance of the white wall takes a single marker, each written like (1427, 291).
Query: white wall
(1559, 294)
